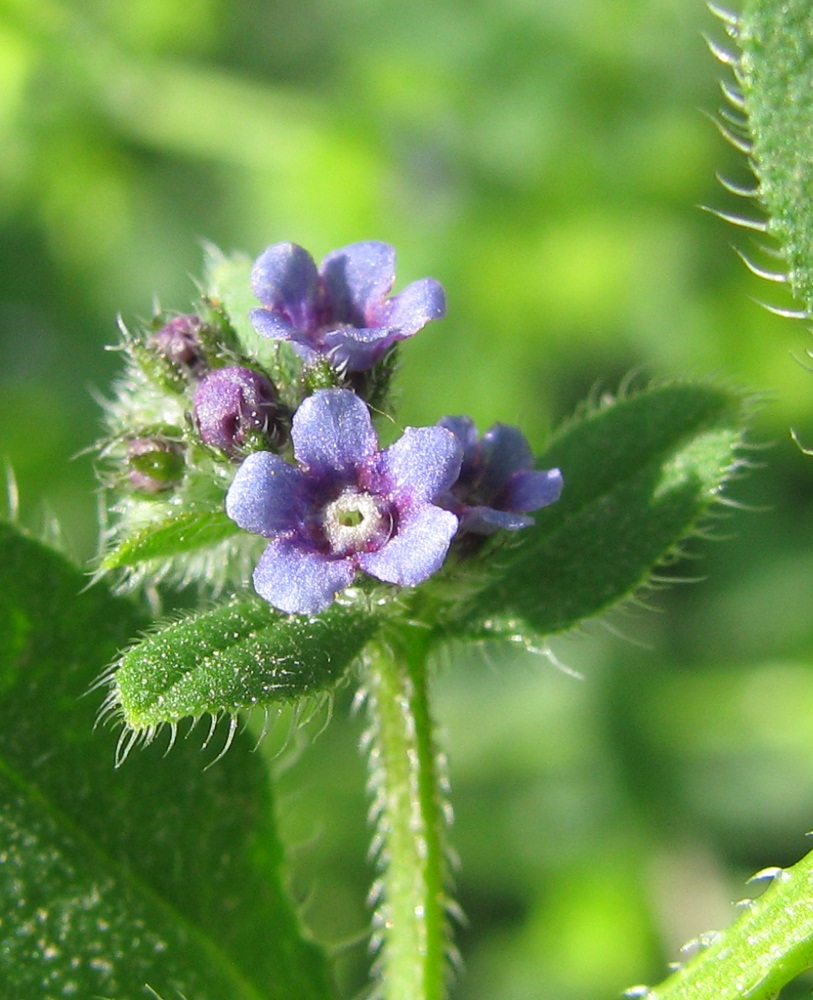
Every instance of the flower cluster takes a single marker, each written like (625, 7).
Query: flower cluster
(269, 417)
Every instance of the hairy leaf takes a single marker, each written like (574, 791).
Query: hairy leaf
(775, 73)
(638, 474)
(182, 531)
(162, 878)
(236, 656)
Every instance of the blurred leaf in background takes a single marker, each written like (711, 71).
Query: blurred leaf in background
(545, 162)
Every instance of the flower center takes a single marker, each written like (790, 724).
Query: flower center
(356, 522)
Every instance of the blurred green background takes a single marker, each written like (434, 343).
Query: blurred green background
(546, 162)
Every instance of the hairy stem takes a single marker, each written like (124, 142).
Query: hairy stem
(406, 780)
(770, 944)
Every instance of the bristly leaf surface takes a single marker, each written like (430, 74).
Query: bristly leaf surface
(162, 878)
(178, 533)
(775, 74)
(236, 656)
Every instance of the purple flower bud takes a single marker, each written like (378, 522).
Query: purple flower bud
(498, 484)
(340, 310)
(235, 408)
(154, 464)
(346, 506)
(179, 341)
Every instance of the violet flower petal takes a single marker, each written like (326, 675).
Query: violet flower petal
(266, 495)
(355, 349)
(417, 305)
(464, 429)
(285, 279)
(416, 551)
(504, 450)
(487, 520)
(423, 463)
(299, 581)
(332, 433)
(529, 490)
(274, 327)
(356, 278)
(269, 324)
(230, 404)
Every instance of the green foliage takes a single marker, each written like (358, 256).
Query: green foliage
(547, 157)
(772, 942)
(775, 72)
(179, 532)
(639, 473)
(162, 875)
(236, 656)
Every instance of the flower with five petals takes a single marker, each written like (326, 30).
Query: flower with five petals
(346, 506)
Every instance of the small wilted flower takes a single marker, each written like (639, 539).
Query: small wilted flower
(340, 310)
(154, 464)
(235, 409)
(498, 484)
(346, 506)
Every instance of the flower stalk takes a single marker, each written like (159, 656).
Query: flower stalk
(411, 928)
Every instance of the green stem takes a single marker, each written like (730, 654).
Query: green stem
(411, 926)
(770, 944)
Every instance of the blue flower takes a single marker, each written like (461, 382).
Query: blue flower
(346, 506)
(235, 408)
(498, 484)
(340, 310)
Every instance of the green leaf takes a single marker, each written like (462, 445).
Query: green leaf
(638, 474)
(180, 532)
(236, 656)
(775, 73)
(162, 874)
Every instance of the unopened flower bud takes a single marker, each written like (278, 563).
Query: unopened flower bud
(179, 341)
(235, 408)
(154, 464)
